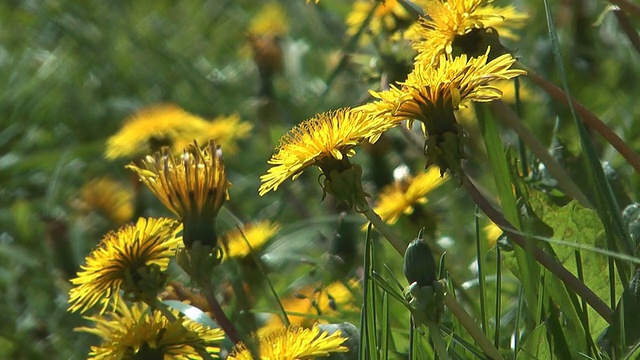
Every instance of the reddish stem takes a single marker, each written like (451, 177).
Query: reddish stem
(542, 257)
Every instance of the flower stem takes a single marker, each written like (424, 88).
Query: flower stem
(385, 230)
(628, 29)
(438, 341)
(160, 306)
(628, 6)
(542, 257)
(219, 315)
(472, 328)
(588, 118)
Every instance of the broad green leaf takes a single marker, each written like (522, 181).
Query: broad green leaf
(535, 346)
(575, 224)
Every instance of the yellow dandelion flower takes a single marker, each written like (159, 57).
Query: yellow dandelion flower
(435, 34)
(492, 233)
(132, 259)
(265, 31)
(150, 128)
(432, 91)
(334, 300)
(138, 332)
(293, 343)
(256, 234)
(401, 196)
(225, 130)
(194, 186)
(331, 135)
(109, 198)
(270, 20)
(386, 17)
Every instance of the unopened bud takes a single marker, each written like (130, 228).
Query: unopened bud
(419, 264)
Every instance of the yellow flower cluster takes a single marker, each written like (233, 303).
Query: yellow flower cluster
(439, 84)
(459, 60)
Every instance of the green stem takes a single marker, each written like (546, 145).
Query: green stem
(155, 304)
(219, 315)
(472, 328)
(542, 257)
(588, 118)
(438, 341)
(508, 118)
(628, 29)
(385, 230)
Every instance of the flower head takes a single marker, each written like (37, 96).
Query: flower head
(308, 303)
(138, 332)
(387, 16)
(431, 91)
(255, 234)
(150, 128)
(492, 233)
(108, 197)
(194, 186)
(449, 19)
(293, 343)
(332, 135)
(132, 259)
(225, 130)
(270, 20)
(401, 196)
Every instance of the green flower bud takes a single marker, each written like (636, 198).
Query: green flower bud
(419, 264)
(631, 221)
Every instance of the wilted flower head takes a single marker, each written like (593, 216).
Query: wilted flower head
(293, 343)
(132, 259)
(138, 332)
(448, 21)
(332, 135)
(109, 198)
(194, 186)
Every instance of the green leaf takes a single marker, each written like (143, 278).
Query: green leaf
(192, 313)
(528, 268)
(536, 345)
(573, 223)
